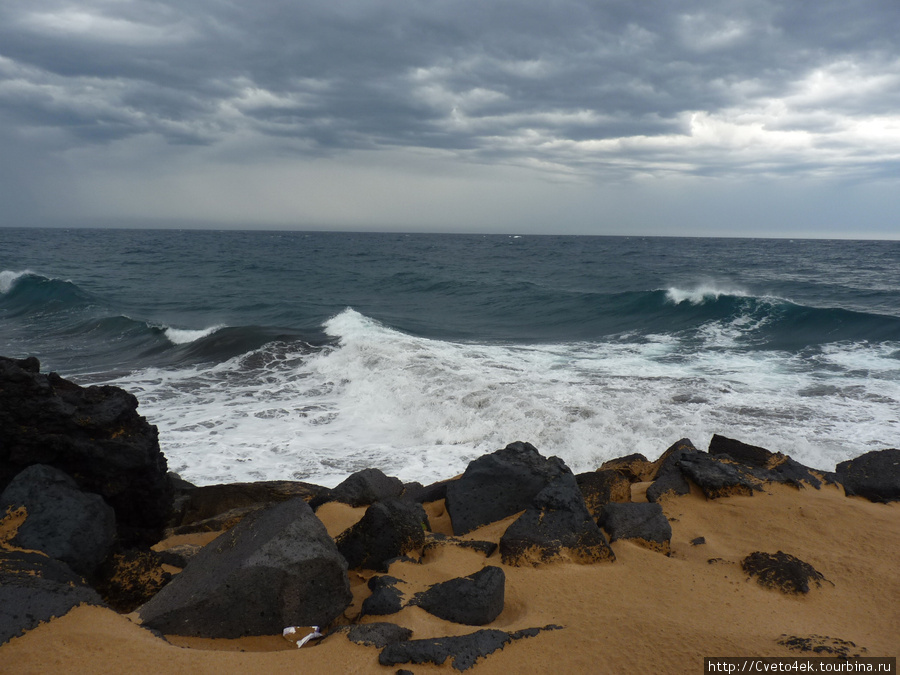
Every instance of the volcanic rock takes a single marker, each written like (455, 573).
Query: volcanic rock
(635, 467)
(386, 598)
(557, 526)
(435, 539)
(216, 507)
(769, 466)
(463, 650)
(716, 478)
(474, 600)
(781, 571)
(669, 477)
(130, 578)
(388, 530)
(276, 568)
(874, 475)
(94, 434)
(498, 485)
(34, 589)
(603, 486)
(380, 634)
(644, 523)
(67, 524)
(362, 489)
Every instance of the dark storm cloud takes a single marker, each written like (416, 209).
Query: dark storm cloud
(687, 86)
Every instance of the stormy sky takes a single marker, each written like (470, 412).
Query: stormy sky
(683, 117)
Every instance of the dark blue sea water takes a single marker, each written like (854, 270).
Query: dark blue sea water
(269, 355)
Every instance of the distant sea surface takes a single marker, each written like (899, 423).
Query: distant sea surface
(307, 356)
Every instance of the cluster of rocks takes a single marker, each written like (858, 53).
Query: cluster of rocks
(85, 493)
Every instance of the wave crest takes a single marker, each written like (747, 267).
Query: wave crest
(183, 336)
(701, 294)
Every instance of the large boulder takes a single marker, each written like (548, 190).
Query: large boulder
(499, 485)
(276, 568)
(387, 530)
(556, 526)
(94, 434)
(874, 475)
(35, 589)
(644, 523)
(67, 524)
(474, 600)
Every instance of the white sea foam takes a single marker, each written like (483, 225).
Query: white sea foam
(701, 294)
(421, 409)
(8, 279)
(183, 336)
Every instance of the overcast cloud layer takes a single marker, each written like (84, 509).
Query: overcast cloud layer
(679, 117)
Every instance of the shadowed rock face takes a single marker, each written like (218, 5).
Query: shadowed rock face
(34, 589)
(75, 527)
(276, 568)
(93, 434)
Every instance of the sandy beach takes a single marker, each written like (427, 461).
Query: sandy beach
(645, 612)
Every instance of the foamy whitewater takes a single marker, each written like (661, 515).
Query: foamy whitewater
(308, 356)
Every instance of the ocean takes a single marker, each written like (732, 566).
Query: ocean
(310, 355)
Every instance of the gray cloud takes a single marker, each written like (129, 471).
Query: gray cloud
(574, 90)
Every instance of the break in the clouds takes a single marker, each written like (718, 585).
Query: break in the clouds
(368, 113)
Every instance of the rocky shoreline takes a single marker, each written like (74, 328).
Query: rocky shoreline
(91, 517)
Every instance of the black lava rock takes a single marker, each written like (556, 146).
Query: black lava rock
(781, 571)
(763, 464)
(874, 475)
(34, 589)
(669, 476)
(498, 485)
(386, 598)
(276, 568)
(202, 508)
(635, 467)
(362, 489)
(93, 434)
(75, 527)
(379, 634)
(602, 487)
(557, 526)
(463, 650)
(388, 530)
(474, 600)
(716, 478)
(643, 522)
